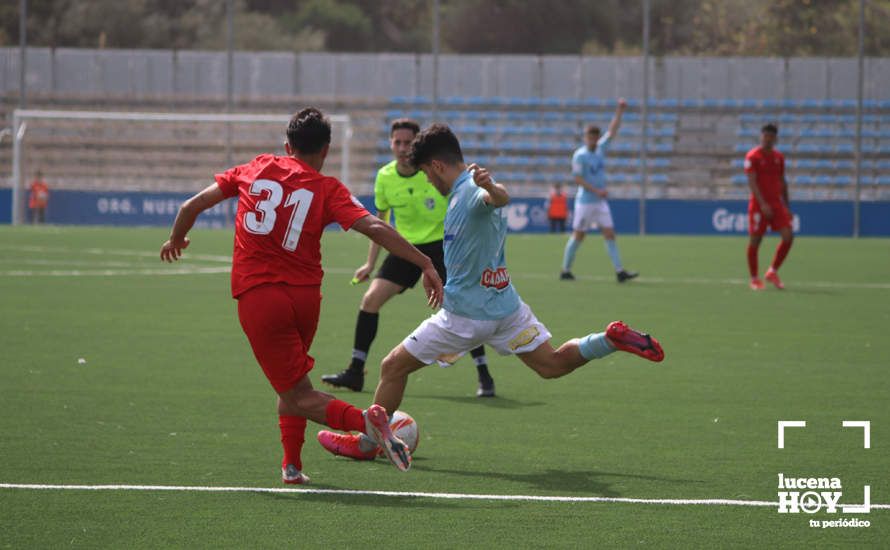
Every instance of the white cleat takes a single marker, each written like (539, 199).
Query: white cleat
(292, 476)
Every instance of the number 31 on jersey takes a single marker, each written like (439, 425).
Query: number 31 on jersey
(262, 221)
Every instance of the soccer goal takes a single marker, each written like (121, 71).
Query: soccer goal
(147, 152)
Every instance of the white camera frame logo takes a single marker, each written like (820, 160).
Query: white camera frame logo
(812, 501)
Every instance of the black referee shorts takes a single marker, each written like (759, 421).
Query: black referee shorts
(404, 273)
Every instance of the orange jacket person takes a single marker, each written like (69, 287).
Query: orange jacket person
(38, 199)
(557, 209)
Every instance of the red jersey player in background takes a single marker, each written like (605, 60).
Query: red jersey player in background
(284, 204)
(768, 206)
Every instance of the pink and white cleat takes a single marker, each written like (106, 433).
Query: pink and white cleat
(756, 283)
(377, 428)
(292, 476)
(773, 276)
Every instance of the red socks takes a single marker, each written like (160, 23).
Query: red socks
(342, 416)
(781, 252)
(752, 260)
(293, 429)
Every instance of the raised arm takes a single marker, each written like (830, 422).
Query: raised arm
(495, 194)
(386, 236)
(185, 219)
(616, 120)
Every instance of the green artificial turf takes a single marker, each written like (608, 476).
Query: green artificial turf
(168, 393)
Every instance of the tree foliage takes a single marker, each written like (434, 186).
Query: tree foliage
(679, 27)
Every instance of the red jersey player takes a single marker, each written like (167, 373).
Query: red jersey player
(284, 204)
(768, 206)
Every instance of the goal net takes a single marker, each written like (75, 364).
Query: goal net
(147, 152)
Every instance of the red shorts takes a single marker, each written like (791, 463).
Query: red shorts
(280, 321)
(757, 223)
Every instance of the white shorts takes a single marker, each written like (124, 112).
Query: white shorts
(444, 337)
(586, 216)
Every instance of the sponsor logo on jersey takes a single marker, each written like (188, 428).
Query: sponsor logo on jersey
(498, 278)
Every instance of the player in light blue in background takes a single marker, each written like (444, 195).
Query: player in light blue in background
(591, 207)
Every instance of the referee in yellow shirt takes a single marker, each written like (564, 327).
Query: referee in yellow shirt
(419, 212)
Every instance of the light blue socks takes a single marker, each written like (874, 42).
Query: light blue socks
(569, 257)
(595, 346)
(612, 249)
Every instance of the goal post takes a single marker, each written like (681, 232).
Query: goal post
(82, 148)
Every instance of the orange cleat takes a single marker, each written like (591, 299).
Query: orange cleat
(756, 284)
(773, 276)
(627, 339)
(345, 445)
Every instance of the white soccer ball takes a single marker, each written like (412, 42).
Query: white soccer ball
(405, 428)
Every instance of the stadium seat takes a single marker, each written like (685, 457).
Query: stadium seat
(813, 148)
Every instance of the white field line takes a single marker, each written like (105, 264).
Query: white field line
(348, 271)
(114, 272)
(111, 252)
(65, 262)
(399, 494)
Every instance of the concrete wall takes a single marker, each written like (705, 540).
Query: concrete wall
(147, 73)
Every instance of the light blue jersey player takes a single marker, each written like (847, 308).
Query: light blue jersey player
(591, 207)
(590, 165)
(475, 234)
(481, 306)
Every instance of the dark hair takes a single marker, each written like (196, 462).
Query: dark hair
(592, 129)
(309, 131)
(404, 124)
(771, 128)
(436, 142)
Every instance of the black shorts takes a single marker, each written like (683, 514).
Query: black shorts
(404, 273)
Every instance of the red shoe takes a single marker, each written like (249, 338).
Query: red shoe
(773, 277)
(639, 343)
(344, 445)
(756, 284)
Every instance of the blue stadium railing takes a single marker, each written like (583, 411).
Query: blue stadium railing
(596, 103)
